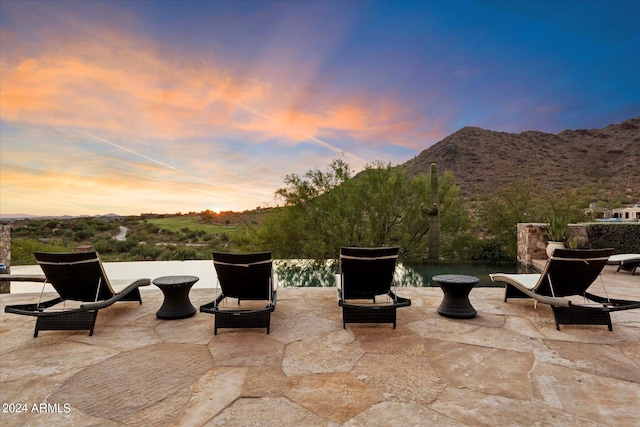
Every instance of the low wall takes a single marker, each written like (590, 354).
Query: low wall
(532, 241)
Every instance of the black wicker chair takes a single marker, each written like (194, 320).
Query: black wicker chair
(246, 277)
(76, 277)
(568, 272)
(364, 274)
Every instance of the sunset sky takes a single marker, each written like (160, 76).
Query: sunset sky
(136, 106)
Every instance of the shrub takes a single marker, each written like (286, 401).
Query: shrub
(22, 250)
(484, 250)
(625, 238)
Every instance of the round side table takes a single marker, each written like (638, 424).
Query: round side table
(456, 288)
(176, 304)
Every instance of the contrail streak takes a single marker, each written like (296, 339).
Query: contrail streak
(201, 59)
(166, 165)
(131, 151)
(328, 146)
(311, 138)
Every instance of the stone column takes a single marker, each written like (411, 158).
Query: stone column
(531, 242)
(5, 255)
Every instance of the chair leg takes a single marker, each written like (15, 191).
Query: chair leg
(513, 292)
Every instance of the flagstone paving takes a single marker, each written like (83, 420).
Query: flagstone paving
(508, 366)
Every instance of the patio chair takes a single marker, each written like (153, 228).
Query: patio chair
(568, 272)
(246, 277)
(625, 262)
(364, 274)
(83, 289)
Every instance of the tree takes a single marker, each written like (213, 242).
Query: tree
(506, 207)
(519, 202)
(324, 210)
(568, 203)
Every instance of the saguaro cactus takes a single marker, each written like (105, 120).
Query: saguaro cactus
(434, 225)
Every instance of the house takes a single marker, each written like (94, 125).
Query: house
(631, 213)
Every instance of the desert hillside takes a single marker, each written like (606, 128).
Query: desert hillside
(482, 160)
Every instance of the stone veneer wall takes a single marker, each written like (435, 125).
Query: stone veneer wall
(5, 254)
(532, 242)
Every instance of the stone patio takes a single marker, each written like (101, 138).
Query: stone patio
(508, 366)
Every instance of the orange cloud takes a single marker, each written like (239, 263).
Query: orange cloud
(121, 84)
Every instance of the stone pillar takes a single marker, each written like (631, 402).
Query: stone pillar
(531, 242)
(5, 255)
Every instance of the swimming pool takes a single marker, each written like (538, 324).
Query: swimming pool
(414, 274)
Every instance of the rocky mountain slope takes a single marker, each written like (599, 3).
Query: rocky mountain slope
(483, 160)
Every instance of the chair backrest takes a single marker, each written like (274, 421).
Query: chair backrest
(245, 276)
(77, 276)
(367, 272)
(571, 271)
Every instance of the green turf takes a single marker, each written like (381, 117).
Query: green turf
(177, 223)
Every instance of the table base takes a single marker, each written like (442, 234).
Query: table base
(176, 304)
(455, 303)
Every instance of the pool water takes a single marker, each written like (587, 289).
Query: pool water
(414, 274)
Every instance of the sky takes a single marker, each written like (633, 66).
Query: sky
(142, 106)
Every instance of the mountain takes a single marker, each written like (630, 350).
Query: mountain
(21, 216)
(483, 160)
(16, 216)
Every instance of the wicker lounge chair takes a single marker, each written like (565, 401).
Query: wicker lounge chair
(568, 273)
(364, 274)
(83, 289)
(625, 262)
(246, 277)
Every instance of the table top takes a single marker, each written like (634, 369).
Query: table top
(455, 279)
(175, 280)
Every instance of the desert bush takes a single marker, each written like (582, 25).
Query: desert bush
(22, 249)
(490, 250)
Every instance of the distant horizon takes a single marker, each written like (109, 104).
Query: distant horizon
(139, 106)
(4, 216)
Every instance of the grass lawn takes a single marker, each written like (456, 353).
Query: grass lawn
(177, 223)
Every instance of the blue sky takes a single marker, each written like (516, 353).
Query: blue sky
(138, 106)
